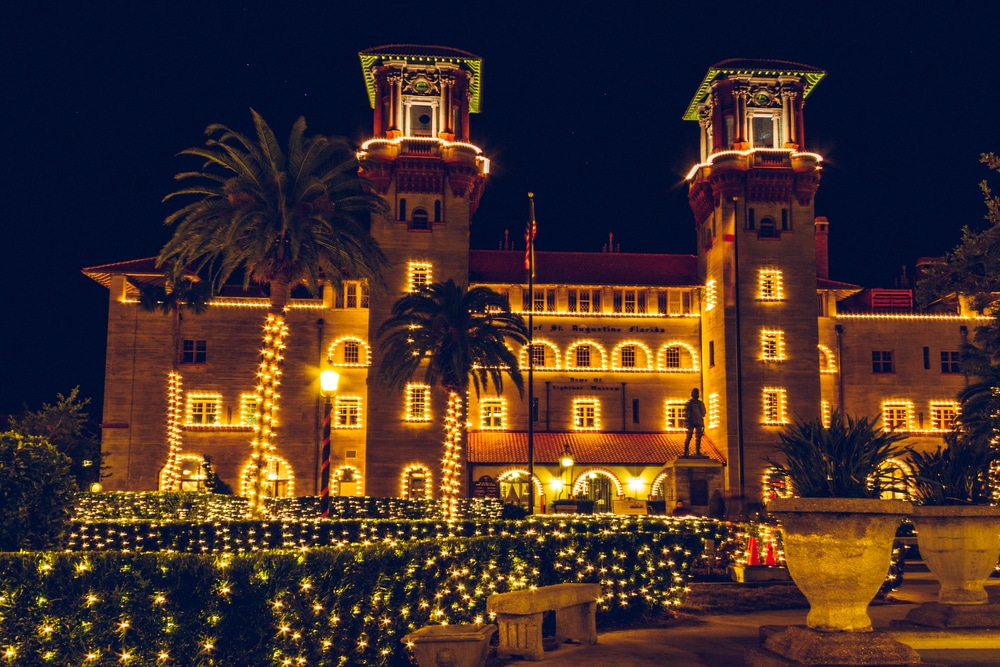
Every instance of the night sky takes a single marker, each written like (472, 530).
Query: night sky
(582, 107)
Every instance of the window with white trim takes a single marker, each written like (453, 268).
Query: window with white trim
(538, 355)
(419, 274)
(347, 412)
(493, 414)
(943, 415)
(627, 356)
(352, 351)
(672, 357)
(203, 408)
(582, 356)
(248, 409)
(772, 345)
(775, 406)
(675, 415)
(586, 414)
(896, 415)
(770, 286)
(418, 402)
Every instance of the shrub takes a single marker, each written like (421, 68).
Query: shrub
(36, 493)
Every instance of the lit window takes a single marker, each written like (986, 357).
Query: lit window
(352, 351)
(772, 345)
(248, 409)
(882, 361)
(418, 408)
(351, 291)
(493, 414)
(826, 362)
(365, 295)
(347, 412)
(769, 285)
(678, 302)
(584, 300)
(571, 300)
(943, 415)
(775, 405)
(640, 302)
(826, 413)
(539, 302)
(675, 420)
(586, 414)
(628, 356)
(630, 301)
(538, 355)
(616, 301)
(582, 356)
(550, 300)
(195, 351)
(203, 408)
(896, 415)
(949, 362)
(672, 358)
(765, 129)
(420, 276)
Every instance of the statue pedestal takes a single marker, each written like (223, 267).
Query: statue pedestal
(693, 479)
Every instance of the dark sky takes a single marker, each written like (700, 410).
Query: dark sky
(581, 106)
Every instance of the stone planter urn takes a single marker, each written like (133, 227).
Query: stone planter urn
(960, 544)
(451, 645)
(838, 552)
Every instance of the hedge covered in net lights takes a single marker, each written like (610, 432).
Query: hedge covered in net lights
(347, 605)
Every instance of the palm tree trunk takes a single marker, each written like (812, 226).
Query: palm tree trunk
(262, 447)
(175, 414)
(451, 464)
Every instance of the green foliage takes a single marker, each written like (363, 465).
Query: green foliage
(842, 461)
(66, 424)
(182, 294)
(958, 474)
(281, 217)
(36, 493)
(349, 605)
(460, 333)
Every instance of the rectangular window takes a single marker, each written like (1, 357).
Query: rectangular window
(826, 413)
(571, 301)
(672, 357)
(711, 295)
(538, 355)
(775, 406)
(628, 356)
(352, 351)
(420, 276)
(539, 304)
(351, 290)
(896, 415)
(418, 402)
(675, 420)
(595, 301)
(347, 412)
(585, 301)
(616, 301)
(769, 285)
(550, 300)
(635, 410)
(713, 411)
(534, 409)
(949, 361)
(640, 302)
(203, 408)
(943, 415)
(493, 414)
(248, 409)
(711, 354)
(582, 356)
(772, 345)
(195, 351)
(630, 301)
(661, 303)
(882, 361)
(365, 295)
(586, 414)
(525, 299)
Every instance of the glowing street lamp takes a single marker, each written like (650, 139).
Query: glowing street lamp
(328, 381)
(566, 463)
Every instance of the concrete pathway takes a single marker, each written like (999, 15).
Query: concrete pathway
(719, 640)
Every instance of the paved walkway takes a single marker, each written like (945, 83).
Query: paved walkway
(719, 640)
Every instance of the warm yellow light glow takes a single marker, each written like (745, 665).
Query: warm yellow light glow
(792, 153)
(347, 412)
(775, 406)
(586, 414)
(943, 415)
(555, 485)
(772, 345)
(419, 275)
(827, 362)
(418, 402)
(635, 486)
(910, 316)
(551, 355)
(713, 411)
(203, 408)
(493, 414)
(595, 357)
(451, 464)
(711, 295)
(770, 285)
(350, 352)
(671, 358)
(675, 415)
(897, 415)
(826, 413)
(408, 139)
(175, 419)
(328, 381)
(631, 356)
(278, 479)
(337, 477)
(580, 485)
(416, 471)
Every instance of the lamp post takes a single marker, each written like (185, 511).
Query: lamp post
(566, 464)
(328, 387)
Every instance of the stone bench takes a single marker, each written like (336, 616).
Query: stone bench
(519, 617)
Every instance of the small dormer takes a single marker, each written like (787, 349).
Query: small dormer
(752, 104)
(422, 91)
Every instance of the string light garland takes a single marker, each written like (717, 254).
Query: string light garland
(175, 413)
(262, 447)
(451, 463)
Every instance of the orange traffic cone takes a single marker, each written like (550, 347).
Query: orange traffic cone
(769, 557)
(753, 557)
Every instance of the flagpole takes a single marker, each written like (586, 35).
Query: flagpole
(529, 264)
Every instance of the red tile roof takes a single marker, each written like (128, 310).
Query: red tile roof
(587, 448)
(585, 268)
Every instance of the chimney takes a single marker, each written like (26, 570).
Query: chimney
(822, 247)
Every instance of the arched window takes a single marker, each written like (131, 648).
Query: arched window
(420, 220)
(767, 229)
(416, 483)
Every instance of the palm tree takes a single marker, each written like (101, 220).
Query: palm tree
(281, 219)
(455, 333)
(172, 298)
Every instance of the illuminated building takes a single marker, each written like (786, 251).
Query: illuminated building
(619, 340)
